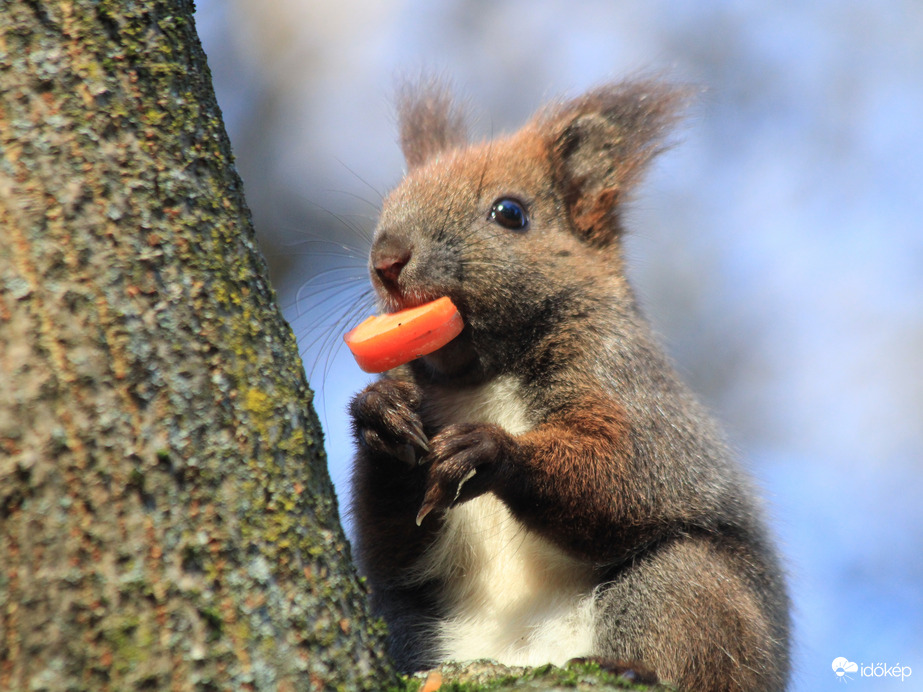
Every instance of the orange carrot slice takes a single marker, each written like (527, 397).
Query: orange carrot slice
(386, 341)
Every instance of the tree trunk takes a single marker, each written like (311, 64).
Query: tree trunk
(166, 518)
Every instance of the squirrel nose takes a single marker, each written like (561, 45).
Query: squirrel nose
(389, 257)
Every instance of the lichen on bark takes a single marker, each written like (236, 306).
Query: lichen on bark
(166, 517)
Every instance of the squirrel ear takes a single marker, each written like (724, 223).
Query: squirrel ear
(430, 121)
(602, 142)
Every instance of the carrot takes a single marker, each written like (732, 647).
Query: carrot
(386, 341)
(433, 682)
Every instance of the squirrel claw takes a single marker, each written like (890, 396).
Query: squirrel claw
(417, 436)
(427, 507)
(434, 496)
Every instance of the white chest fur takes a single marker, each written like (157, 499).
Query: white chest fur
(510, 595)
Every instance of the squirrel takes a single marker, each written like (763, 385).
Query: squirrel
(544, 488)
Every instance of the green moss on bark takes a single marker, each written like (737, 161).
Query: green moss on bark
(487, 676)
(166, 518)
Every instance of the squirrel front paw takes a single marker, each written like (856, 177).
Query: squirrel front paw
(465, 460)
(386, 422)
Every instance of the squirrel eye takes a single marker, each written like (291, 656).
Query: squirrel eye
(509, 213)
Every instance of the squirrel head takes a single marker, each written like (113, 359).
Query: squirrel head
(523, 231)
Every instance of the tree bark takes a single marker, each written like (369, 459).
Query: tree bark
(166, 518)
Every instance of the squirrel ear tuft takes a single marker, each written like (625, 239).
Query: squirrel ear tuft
(430, 121)
(602, 142)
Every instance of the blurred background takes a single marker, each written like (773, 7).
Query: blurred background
(777, 248)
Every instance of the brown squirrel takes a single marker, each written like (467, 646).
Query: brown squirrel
(543, 487)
